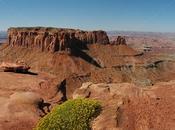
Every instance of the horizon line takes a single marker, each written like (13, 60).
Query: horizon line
(107, 30)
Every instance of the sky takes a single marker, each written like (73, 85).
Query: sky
(109, 15)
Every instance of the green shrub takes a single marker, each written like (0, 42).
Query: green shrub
(72, 115)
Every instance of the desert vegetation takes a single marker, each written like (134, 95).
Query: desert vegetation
(71, 115)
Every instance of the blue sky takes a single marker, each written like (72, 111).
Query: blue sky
(125, 15)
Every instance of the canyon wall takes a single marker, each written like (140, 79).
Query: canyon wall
(54, 39)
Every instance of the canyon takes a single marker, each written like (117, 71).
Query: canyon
(132, 80)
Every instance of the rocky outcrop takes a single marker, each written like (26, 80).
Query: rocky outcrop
(126, 106)
(120, 41)
(54, 39)
(14, 67)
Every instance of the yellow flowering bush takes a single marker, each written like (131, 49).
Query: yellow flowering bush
(72, 115)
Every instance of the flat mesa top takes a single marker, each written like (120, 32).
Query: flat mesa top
(50, 29)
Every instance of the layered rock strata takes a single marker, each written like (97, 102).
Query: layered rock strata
(54, 39)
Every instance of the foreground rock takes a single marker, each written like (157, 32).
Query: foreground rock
(128, 107)
(54, 39)
(14, 67)
(24, 99)
(20, 108)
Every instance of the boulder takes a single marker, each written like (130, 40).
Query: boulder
(13, 67)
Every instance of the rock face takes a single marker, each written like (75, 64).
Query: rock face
(126, 106)
(54, 39)
(25, 100)
(120, 41)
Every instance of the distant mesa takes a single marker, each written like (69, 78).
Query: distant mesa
(54, 39)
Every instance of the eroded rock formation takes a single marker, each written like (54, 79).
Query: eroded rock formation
(119, 41)
(14, 67)
(54, 39)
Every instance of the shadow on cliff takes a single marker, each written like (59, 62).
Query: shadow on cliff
(77, 50)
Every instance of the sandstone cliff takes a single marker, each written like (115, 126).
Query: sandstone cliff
(54, 39)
